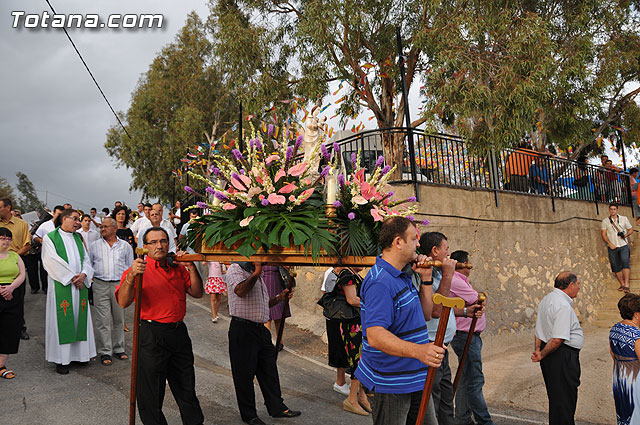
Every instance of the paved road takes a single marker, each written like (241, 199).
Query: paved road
(98, 394)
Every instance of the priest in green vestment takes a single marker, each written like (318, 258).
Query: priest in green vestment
(68, 332)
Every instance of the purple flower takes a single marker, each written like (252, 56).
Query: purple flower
(337, 204)
(325, 171)
(353, 160)
(324, 150)
(235, 175)
(299, 141)
(351, 216)
(251, 143)
(258, 144)
(242, 171)
(410, 217)
(336, 148)
(270, 130)
(425, 222)
(411, 199)
(221, 196)
(286, 135)
(386, 169)
(189, 190)
(289, 154)
(380, 161)
(237, 154)
(264, 202)
(341, 180)
(210, 190)
(201, 204)
(215, 171)
(390, 194)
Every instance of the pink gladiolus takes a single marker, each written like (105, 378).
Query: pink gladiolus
(292, 198)
(288, 188)
(241, 182)
(375, 213)
(306, 182)
(298, 170)
(259, 180)
(228, 206)
(367, 191)
(271, 158)
(276, 199)
(279, 175)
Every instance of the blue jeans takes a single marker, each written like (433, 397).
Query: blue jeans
(469, 398)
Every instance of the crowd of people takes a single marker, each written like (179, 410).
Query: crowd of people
(380, 334)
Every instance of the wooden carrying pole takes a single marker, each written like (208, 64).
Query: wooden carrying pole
(448, 304)
(290, 283)
(482, 297)
(136, 340)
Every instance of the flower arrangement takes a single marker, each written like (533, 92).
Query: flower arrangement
(363, 203)
(268, 199)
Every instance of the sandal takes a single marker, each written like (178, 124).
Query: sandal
(105, 359)
(626, 289)
(621, 288)
(6, 373)
(121, 356)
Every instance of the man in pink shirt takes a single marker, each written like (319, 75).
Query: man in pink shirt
(469, 398)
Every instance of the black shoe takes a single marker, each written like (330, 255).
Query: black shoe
(35, 291)
(62, 369)
(23, 334)
(255, 421)
(288, 414)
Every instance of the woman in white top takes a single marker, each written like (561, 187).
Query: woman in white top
(88, 234)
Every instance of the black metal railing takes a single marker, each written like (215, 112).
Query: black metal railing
(445, 160)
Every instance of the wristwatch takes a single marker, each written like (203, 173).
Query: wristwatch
(427, 282)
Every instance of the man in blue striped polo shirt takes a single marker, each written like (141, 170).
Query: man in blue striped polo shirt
(396, 349)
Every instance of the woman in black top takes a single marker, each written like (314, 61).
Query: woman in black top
(121, 216)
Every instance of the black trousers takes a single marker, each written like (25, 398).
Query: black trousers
(166, 355)
(33, 265)
(252, 354)
(561, 372)
(441, 393)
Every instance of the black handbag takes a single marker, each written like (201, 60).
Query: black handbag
(335, 306)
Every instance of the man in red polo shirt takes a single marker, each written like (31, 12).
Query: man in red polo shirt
(165, 346)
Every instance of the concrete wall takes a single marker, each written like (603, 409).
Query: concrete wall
(515, 263)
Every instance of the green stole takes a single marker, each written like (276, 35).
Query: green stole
(67, 332)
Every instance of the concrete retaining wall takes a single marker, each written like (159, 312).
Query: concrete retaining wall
(515, 263)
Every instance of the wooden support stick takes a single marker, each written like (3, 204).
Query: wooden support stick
(136, 341)
(482, 297)
(448, 304)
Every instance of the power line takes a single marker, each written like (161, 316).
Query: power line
(66, 198)
(91, 74)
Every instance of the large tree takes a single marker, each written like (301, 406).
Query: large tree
(28, 201)
(177, 101)
(494, 72)
(549, 69)
(6, 191)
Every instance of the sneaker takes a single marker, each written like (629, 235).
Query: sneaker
(214, 319)
(342, 389)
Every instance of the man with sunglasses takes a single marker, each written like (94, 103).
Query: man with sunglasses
(165, 347)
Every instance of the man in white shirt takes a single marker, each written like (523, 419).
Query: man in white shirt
(110, 257)
(558, 340)
(175, 217)
(140, 209)
(142, 220)
(166, 225)
(95, 220)
(615, 230)
(155, 220)
(39, 235)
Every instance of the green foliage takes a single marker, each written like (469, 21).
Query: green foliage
(176, 101)
(6, 190)
(29, 200)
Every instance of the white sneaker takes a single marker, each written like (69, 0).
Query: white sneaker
(342, 389)
(215, 319)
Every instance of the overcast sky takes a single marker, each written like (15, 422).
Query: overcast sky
(53, 118)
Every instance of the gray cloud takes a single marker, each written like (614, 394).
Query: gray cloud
(54, 119)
